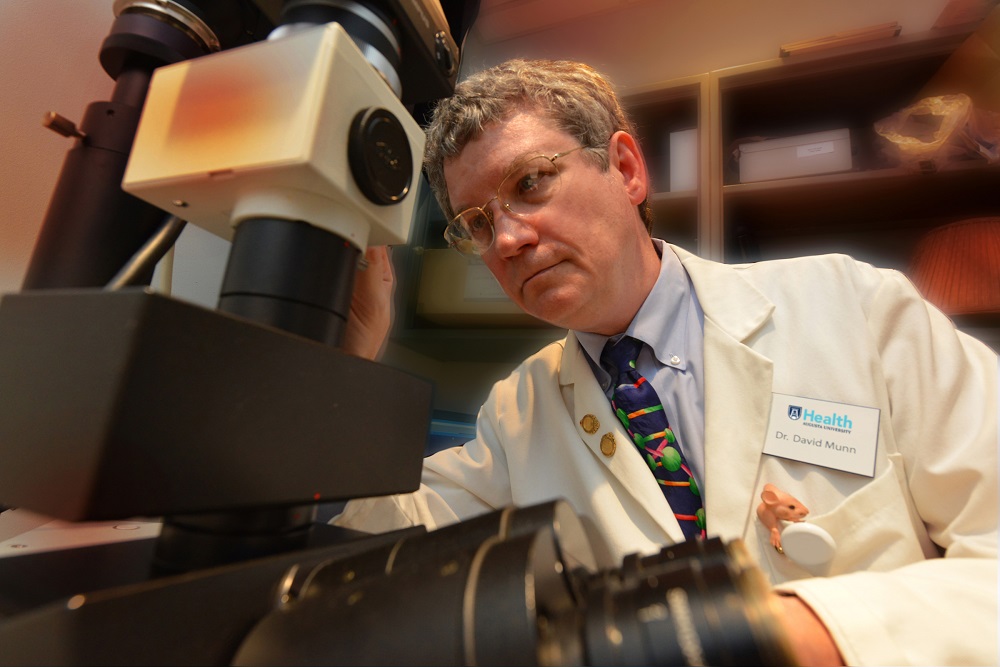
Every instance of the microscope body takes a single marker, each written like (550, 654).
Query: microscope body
(277, 129)
(232, 423)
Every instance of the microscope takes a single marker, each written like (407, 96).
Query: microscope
(291, 129)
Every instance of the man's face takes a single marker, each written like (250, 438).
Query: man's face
(583, 261)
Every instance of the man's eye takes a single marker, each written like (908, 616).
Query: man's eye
(478, 224)
(534, 183)
(528, 183)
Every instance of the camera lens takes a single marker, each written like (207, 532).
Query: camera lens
(503, 589)
(372, 32)
(696, 603)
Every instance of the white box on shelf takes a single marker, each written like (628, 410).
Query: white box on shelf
(802, 155)
(683, 160)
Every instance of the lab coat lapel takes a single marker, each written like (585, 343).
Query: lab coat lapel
(738, 384)
(585, 397)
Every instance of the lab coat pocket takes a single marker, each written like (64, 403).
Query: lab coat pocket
(873, 527)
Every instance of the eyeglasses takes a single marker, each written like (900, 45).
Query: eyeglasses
(528, 186)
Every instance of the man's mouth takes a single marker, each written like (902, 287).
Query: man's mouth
(538, 273)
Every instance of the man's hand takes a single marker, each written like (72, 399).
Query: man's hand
(371, 306)
(811, 642)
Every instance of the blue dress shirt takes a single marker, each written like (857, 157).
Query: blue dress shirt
(671, 324)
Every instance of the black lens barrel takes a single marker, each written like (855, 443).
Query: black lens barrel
(499, 590)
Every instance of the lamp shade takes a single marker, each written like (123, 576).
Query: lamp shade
(957, 267)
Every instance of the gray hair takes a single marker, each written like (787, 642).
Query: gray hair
(579, 99)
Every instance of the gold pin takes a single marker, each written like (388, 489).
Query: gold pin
(608, 444)
(590, 424)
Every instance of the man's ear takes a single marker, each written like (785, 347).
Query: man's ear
(625, 156)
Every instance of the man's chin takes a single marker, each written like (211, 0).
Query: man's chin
(554, 310)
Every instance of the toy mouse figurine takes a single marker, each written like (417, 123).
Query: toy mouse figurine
(778, 506)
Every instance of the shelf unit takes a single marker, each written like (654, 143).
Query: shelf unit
(875, 212)
(658, 111)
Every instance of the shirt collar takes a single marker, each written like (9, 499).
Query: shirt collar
(662, 319)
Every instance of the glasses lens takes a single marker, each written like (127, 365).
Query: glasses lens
(530, 185)
(471, 232)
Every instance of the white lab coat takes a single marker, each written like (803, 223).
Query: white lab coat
(914, 576)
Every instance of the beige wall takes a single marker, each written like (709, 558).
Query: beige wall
(644, 41)
(48, 62)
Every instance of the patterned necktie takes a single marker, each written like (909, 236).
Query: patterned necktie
(638, 407)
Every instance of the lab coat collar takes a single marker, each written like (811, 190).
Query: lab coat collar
(738, 387)
(738, 384)
(736, 306)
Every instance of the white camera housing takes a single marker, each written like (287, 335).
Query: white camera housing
(262, 131)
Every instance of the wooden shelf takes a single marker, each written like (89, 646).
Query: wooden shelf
(832, 200)
(875, 215)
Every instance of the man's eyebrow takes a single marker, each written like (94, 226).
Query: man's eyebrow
(517, 159)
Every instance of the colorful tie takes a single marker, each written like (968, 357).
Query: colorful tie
(641, 413)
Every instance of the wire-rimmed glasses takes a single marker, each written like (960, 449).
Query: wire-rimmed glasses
(529, 185)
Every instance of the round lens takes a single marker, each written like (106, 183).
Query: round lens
(471, 232)
(529, 185)
(478, 227)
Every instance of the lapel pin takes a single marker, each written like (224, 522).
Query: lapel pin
(590, 424)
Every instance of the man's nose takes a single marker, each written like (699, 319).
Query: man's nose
(511, 232)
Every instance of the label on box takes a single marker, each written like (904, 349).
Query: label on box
(814, 149)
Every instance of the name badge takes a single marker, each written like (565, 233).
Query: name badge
(824, 433)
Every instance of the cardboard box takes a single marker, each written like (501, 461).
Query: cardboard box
(459, 291)
(802, 155)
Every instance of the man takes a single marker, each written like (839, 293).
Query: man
(538, 167)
